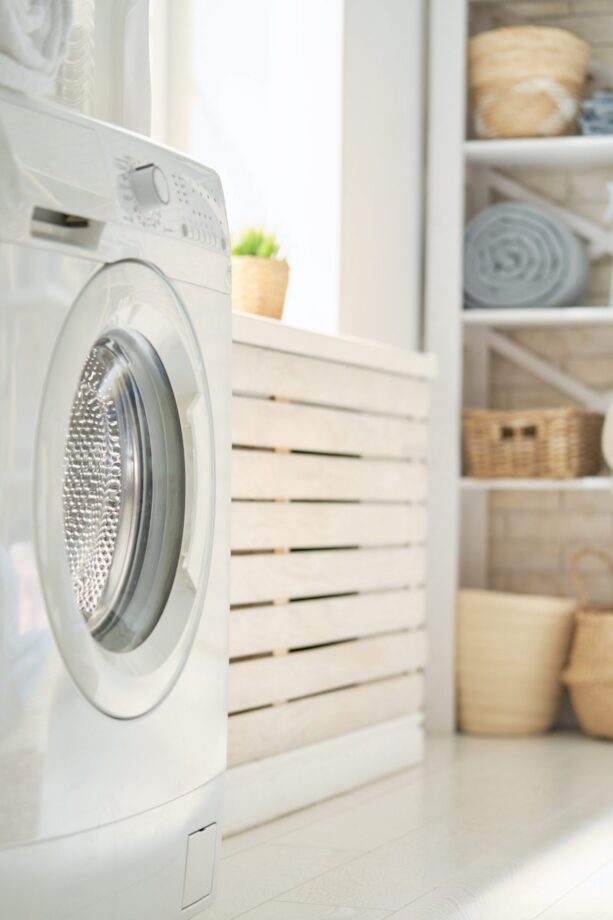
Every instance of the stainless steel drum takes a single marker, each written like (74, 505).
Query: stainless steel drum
(123, 458)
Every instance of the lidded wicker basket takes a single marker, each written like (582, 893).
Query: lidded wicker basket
(526, 81)
(589, 675)
(259, 285)
(536, 443)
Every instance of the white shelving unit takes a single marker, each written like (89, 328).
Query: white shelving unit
(552, 316)
(585, 484)
(550, 152)
(459, 505)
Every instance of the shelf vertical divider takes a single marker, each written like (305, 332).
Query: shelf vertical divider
(443, 336)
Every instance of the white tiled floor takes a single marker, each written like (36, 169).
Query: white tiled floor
(484, 830)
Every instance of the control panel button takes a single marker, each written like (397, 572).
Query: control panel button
(150, 186)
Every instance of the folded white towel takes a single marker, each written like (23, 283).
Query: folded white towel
(33, 42)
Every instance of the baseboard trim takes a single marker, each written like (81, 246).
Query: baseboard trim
(266, 789)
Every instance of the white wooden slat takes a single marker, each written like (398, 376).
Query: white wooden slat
(275, 424)
(269, 731)
(270, 576)
(273, 679)
(255, 630)
(267, 475)
(272, 525)
(319, 771)
(267, 333)
(264, 372)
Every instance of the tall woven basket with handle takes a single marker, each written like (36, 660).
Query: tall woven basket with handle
(589, 675)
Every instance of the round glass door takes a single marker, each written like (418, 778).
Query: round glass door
(125, 489)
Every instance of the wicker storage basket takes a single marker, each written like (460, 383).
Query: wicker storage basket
(259, 285)
(511, 651)
(589, 675)
(526, 81)
(548, 443)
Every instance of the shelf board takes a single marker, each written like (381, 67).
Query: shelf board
(547, 152)
(539, 316)
(583, 484)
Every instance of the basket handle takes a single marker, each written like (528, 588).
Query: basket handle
(514, 430)
(583, 594)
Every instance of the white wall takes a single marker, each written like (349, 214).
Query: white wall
(382, 174)
(312, 111)
(261, 103)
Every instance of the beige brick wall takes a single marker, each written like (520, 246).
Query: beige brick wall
(534, 535)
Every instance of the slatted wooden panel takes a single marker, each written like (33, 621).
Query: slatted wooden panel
(264, 372)
(315, 718)
(257, 630)
(289, 426)
(329, 483)
(265, 577)
(263, 681)
(303, 525)
(267, 475)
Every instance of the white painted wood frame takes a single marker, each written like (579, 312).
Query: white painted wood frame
(462, 339)
(443, 337)
(327, 638)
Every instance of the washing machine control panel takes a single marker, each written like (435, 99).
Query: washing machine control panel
(175, 198)
(92, 171)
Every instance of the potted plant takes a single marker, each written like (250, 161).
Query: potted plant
(259, 276)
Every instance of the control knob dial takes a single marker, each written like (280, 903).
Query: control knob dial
(150, 186)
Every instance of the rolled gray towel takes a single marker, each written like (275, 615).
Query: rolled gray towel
(517, 255)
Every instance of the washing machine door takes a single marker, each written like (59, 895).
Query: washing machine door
(125, 489)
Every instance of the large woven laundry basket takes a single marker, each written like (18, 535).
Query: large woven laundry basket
(526, 81)
(510, 655)
(548, 443)
(589, 675)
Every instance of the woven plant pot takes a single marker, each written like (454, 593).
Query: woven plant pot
(536, 443)
(259, 285)
(589, 675)
(511, 651)
(526, 81)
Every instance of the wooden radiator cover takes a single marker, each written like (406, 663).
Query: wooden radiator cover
(329, 484)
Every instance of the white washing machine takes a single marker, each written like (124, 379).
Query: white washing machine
(114, 531)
